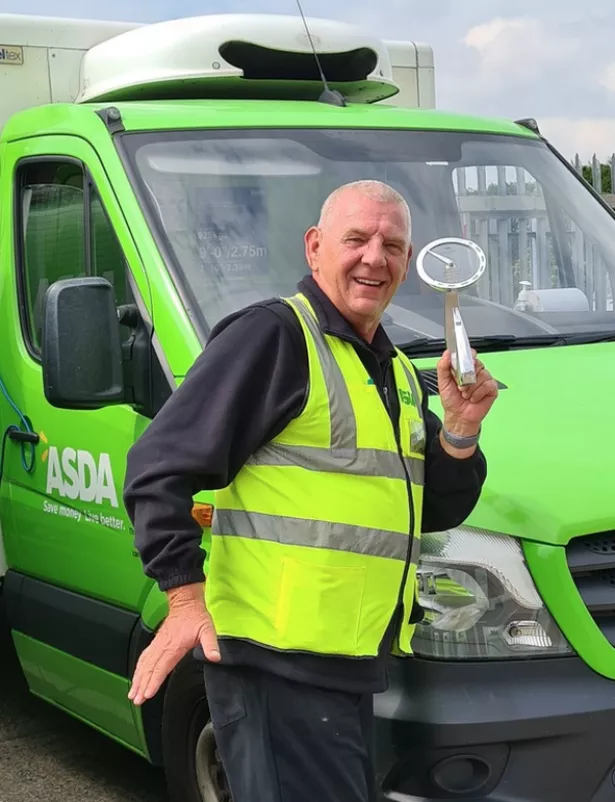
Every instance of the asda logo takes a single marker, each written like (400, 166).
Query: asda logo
(406, 398)
(77, 474)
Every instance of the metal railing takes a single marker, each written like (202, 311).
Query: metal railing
(503, 209)
(601, 175)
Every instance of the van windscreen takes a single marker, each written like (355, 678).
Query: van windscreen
(230, 209)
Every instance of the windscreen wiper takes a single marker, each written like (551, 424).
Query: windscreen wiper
(590, 337)
(428, 345)
(539, 340)
(422, 345)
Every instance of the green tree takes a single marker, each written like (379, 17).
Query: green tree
(605, 173)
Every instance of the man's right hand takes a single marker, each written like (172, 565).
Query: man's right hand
(187, 625)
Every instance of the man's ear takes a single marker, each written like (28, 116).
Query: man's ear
(407, 263)
(312, 246)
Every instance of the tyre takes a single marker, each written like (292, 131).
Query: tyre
(191, 761)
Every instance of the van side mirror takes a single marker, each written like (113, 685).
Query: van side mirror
(81, 346)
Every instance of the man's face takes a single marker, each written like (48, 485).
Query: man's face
(360, 258)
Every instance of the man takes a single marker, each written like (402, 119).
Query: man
(327, 464)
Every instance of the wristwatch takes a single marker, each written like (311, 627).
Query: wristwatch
(457, 441)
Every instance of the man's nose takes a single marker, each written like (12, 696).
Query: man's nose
(373, 254)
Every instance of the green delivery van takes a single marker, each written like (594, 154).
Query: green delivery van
(174, 188)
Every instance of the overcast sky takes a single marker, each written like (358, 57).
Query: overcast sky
(511, 58)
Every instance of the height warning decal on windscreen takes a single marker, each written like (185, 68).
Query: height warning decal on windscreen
(232, 226)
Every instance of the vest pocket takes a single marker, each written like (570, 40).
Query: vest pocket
(319, 607)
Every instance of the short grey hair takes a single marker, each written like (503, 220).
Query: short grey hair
(377, 190)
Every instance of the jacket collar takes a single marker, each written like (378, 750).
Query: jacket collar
(331, 321)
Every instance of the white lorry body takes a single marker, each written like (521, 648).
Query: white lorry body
(40, 62)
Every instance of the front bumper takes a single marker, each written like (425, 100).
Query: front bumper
(509, 731)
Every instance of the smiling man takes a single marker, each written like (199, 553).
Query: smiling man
(327, 464)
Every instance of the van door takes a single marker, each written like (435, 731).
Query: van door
(75, 580)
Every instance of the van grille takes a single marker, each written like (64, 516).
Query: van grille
(591, 561)
(430, 377)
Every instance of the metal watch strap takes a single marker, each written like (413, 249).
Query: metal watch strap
(457, 441)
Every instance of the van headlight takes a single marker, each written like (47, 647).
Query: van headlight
(480, 601)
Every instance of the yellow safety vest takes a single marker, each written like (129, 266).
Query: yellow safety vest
(310, 541)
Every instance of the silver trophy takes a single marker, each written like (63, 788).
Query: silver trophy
(448, 265)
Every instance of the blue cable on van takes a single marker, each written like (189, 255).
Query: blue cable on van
(25, 436)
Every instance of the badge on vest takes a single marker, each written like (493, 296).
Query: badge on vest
(417, 436)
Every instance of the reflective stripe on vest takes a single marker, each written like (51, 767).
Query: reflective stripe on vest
(319, 534)
(363, 462)
(343, 456)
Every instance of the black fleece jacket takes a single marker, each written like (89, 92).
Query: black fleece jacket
(242, 391)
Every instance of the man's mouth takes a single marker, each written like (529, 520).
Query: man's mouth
(369, 282)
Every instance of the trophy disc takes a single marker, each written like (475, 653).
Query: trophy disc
(451, 263)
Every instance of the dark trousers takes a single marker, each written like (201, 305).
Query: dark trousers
(281, 741)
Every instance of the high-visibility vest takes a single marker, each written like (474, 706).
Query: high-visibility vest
(315, 542)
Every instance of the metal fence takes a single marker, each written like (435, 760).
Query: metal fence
(503, 209)
(601, 175)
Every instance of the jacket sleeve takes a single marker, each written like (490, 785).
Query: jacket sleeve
(452, 486)
(241, 391)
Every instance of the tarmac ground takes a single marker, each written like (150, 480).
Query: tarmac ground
(47, 755)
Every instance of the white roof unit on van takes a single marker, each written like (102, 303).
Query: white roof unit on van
(237, 55)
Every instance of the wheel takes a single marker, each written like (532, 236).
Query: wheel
(191, 760)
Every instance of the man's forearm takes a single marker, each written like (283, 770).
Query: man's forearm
(167, 537)
(204, 434)
(453, 477)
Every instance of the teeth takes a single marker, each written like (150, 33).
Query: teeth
(368, 282)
